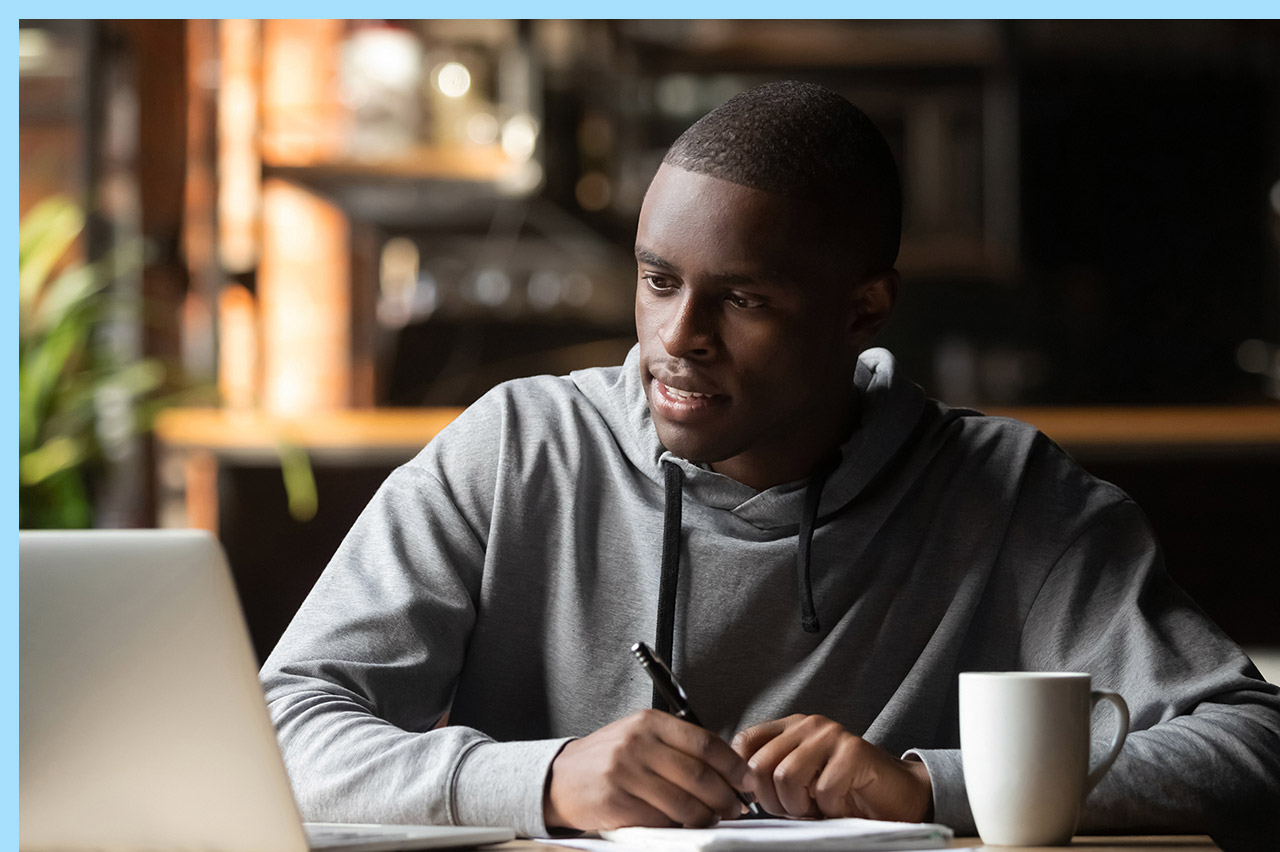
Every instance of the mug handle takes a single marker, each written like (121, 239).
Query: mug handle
(1117, 741)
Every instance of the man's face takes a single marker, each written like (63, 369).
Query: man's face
(748, 328)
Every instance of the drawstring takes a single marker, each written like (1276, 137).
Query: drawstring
(673, 479)
(804, 547)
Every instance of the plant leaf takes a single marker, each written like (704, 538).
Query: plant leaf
(56, 455)
(44, 235)
(69, 292)
(299, 481)
(47, 368)
(137, 378)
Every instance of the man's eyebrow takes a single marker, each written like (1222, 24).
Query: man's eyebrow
(646, 256)
(643, 255)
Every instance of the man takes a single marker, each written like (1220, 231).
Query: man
(817, 548)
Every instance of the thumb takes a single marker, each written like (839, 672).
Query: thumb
(748, 741)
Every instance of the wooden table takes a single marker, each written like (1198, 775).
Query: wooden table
(1172, 843)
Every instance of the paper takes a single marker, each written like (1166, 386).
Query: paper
(831, 835)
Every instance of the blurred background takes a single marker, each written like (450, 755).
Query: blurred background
(263, 262)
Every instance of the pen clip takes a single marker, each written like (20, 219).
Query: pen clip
(665, 682)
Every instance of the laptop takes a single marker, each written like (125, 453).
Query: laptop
(142, 722)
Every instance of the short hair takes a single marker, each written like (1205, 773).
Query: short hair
(804, 141)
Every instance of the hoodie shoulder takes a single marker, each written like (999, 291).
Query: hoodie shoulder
(985, 428)
(515, 432)
(535, 409)
(1013, 448)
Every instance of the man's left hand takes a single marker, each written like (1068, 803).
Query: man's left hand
(810, 766)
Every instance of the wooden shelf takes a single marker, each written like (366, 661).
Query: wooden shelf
(818, 44)
(486, 164)
(407, 430)
(425, 187)
(255, 434)
(1147, 430)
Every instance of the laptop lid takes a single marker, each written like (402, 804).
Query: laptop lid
(142, 722)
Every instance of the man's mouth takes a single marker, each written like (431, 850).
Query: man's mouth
(681, 405)
(683, 394)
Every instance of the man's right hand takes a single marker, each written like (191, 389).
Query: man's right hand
(649, 768)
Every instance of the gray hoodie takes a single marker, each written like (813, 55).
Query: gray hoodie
(502, 575)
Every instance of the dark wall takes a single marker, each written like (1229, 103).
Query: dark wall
(275, 559)
(1145, 216)
(1149, 248)
(1215, 520)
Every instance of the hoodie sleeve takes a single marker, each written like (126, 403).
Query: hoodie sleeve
(1203, 752)
(368, 666)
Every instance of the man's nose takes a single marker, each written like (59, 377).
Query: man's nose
(690, 329)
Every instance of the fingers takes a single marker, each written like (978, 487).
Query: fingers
(787, 766)
(637, 795)
(681, 806)
(703, 746)
(699, 763)
(748, 742)
(863, 780)
(810, 766)
(620, 808)
(793, 778)
(646, 769)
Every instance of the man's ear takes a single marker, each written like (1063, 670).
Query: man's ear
(873, 302)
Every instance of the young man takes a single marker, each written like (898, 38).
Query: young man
(817, 548)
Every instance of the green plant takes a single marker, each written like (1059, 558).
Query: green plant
(72, 394)
(76, 402)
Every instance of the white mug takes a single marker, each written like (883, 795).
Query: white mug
(1025, 739)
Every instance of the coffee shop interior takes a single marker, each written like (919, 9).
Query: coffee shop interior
(263, 262)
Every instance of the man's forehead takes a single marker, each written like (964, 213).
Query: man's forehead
(674, 184)
(748, 232)
(680, 200)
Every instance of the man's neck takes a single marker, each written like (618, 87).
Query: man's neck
(767, 466)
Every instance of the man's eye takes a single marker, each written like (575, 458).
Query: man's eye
(657, 282)
(739, 301)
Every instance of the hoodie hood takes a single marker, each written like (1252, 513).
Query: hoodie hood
(890, 407)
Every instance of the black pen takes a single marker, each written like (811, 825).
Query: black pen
(678, 703)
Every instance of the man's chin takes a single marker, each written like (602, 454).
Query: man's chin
(699, 449)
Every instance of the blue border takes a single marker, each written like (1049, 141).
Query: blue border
(1178, 9)
(9, 562)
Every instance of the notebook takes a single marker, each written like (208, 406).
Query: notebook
(829, 835)
(142, 722)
